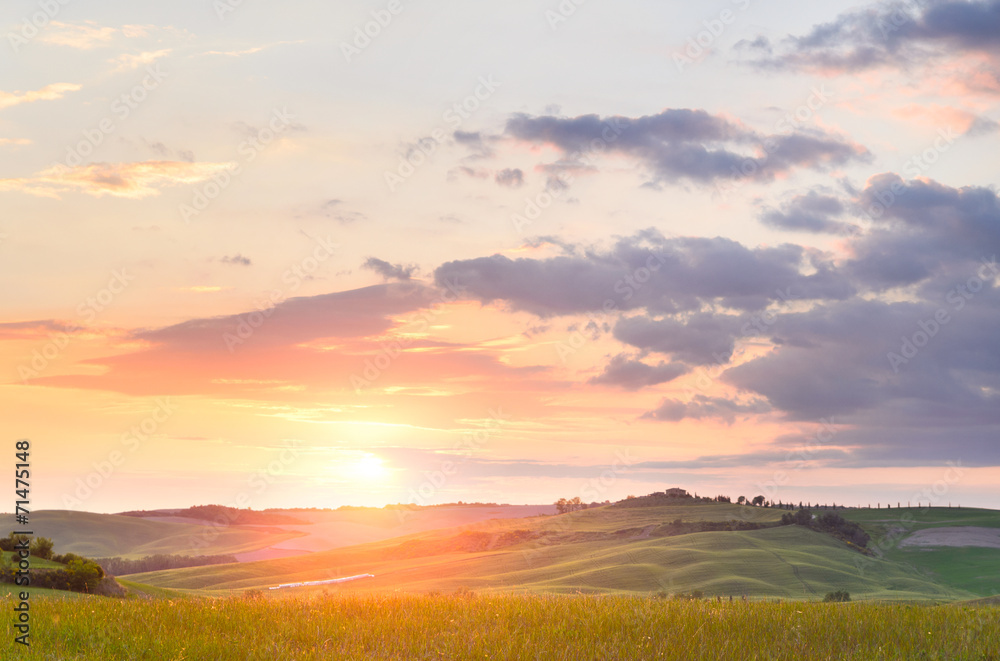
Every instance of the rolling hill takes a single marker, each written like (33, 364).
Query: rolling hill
(602, 550)
(106, 535)
(719, 549)
(103, 535)
(955, 556)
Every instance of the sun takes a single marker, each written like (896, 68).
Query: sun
(369, 467)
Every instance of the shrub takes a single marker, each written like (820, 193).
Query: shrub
(41, 547)
(837, 596)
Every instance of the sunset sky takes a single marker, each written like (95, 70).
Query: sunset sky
(317, 254)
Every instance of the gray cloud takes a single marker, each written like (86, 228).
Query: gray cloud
(922, 228)
(678, 275)
(835, 360)
(629, 373)
(389, 271)
(702, 406)
(475, 142)
(237, 259)
(510, 178)
(809, 212)
(893, 34)
(687, 144)
(696, 339)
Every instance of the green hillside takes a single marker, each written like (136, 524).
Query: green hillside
(603, 550)
(36, 563)
(970, 568)
(106, 535)
(915, 518)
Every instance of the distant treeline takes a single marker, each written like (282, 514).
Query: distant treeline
(830, 523)
(123, 566)
(676, 496)
(226, 515)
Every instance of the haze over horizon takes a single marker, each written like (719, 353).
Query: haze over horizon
(315, 255)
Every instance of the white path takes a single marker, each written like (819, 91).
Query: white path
(331, 581)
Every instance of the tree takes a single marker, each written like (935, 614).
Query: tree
(12, 541)
(42, 548)
(758, 500)
(741, 500)
(563, 506)
(84, 575)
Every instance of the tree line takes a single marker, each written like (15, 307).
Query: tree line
(123, 566)
(829, 522)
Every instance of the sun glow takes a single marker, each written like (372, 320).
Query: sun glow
(368, 467)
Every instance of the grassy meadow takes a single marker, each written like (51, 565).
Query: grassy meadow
(501, 626)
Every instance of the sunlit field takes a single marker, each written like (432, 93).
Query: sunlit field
(469, 626)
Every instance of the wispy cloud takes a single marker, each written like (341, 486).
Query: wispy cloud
(82, 36)
(130, 180)
(128, 61)
(47, 93)
(251, 51)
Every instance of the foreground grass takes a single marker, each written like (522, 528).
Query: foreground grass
(500, 627)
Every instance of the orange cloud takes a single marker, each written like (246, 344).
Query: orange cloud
(84, 36)
(127, 61)
(973, 76)
(251, 51)
(47, 93)
(936, 116)
(130, 180)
